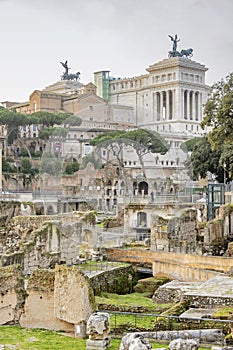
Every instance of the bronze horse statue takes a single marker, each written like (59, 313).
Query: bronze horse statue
(186, 53)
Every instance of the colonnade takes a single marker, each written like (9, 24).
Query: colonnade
(165, 108)
(163, 104)
(192, 104)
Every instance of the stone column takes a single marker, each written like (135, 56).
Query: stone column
(168, 104)
(174, 104)
(197, 105)
(200, 107)
(161, 105)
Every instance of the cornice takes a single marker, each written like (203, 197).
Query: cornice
(176, 62)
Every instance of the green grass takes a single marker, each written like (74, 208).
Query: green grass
(131, 300)
(35, 339)
(121, 323)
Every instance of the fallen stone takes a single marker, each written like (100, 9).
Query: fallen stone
(183, 344)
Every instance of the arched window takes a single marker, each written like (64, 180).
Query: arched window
(142, 219)
(143, 188)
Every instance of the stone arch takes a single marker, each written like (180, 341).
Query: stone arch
(143, 188)
(50, 210)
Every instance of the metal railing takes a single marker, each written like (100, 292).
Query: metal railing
(167, 328)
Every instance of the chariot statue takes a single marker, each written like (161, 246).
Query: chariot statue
(66, 75)
(174, 53)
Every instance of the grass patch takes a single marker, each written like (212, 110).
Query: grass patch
(39, 339)
(130, 301)
(224, 313)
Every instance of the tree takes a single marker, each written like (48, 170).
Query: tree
(204, 159)
(218, 114)
(48, 132)
(71, 168)
(188, 145)
(143, 142)
(26, 166)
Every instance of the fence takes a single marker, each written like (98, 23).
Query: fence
(90, 267)
(166, 328)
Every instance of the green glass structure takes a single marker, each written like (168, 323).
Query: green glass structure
(101, 81)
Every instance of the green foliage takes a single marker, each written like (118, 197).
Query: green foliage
(73, 120)
(204, 159)
(13, 120)
(189, 145)
(26, 166)
(218, 114)
(23, 152)
(148, 286)
(132, 300)
(71, 168)
(141, 140)
(8, 167)
(48, 132)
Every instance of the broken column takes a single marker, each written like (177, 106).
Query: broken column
(98, 327)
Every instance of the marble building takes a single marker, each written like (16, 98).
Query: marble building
(168, 99)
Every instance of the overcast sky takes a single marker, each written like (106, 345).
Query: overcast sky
(123, 36)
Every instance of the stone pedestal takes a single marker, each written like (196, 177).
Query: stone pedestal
(80, 330)
(98, 344)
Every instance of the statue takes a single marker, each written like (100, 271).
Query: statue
(65, 65)
(175, 41)
(174, 53)
(66, 75)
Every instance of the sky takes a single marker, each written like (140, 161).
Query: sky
(123, 36)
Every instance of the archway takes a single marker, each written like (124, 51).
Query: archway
(143, 188)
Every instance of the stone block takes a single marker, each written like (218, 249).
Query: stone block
(102, 344)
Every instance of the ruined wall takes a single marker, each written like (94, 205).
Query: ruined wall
(74, 298)
(120, 280)
(142, 256)
(177, 233)
(12, 294)
(181, 272)
(42, 241)
(39, 304)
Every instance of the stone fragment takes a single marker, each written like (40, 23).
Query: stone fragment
(183, 344)
(98, 326)
(134, 341)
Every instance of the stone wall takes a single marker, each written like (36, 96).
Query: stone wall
(74, 298)
(193, 266)
(39, 304)
(12, 294)
(42, 241)
(182, 272)
(175, 233)
(55, 299)
(120, 280)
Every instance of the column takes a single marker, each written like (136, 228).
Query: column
(200, 107)
(174, 104)
(168, 104)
